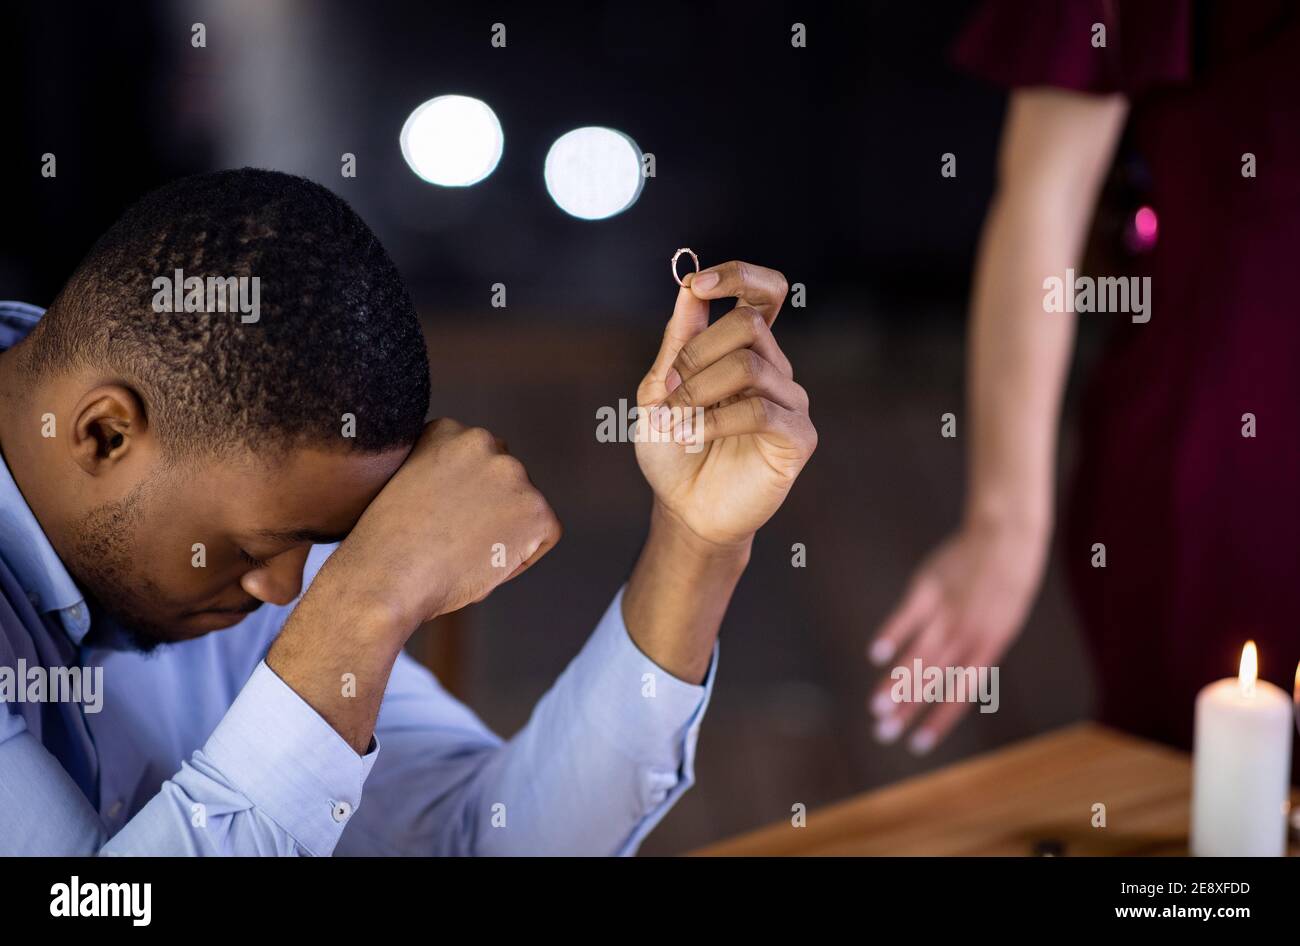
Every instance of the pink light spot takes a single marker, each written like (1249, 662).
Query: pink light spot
(1146, 226)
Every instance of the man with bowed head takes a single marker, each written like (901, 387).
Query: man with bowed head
(225, 728)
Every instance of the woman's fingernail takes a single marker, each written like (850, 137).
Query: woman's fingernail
(888, 730)
(881, 651)
(882, 704)
(673, 381)
(704, 280)
(922, 742)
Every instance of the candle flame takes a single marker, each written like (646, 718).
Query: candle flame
(1249, 671)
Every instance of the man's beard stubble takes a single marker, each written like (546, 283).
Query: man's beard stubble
(104, 549)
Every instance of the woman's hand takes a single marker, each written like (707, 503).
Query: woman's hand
(968, 600)
(964, 607)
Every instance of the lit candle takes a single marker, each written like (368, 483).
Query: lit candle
(1241, 765)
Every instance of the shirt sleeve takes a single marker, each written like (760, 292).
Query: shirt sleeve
(273, 779)
(42, 811)
(606, 753)
(1018, 43)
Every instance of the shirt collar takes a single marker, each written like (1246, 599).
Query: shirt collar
(23, 543)
(16, 320)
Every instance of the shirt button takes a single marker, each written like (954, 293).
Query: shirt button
(342, 811)
(115, 808)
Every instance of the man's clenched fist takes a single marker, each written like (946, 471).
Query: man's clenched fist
(459, 518)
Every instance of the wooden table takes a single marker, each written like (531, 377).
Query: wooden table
(1005, 802)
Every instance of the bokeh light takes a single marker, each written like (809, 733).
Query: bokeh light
(593, 173)
(452, 140)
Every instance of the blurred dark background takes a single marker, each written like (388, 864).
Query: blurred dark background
(822, 162)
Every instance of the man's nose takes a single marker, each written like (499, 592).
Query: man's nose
(280, 581)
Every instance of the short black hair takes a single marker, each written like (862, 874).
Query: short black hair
(336, 331)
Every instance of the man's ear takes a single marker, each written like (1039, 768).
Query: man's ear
(107, 423)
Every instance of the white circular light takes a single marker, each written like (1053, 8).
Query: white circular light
(593, 173)
(452, 140)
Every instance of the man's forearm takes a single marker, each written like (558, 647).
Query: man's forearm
(336, 652)
(677, 595)
(425, 546)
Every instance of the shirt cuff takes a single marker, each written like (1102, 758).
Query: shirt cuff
(288, 762)
(646, 713)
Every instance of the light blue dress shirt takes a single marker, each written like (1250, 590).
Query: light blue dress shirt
(199, 748)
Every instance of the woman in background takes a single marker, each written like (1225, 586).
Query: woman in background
(1200, 523)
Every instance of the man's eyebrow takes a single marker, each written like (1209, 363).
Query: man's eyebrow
(297, 536)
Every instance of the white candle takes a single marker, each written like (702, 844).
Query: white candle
(1241, 766)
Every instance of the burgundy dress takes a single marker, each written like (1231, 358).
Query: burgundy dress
(1201, 525)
